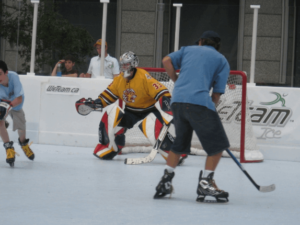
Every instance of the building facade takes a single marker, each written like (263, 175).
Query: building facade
(147, 28)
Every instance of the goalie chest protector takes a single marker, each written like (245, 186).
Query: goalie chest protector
(139, 94)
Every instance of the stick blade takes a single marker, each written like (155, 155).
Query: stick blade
(147, 159)
(267, 188)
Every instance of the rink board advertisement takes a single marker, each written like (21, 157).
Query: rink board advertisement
(52, 118)
(62, 89)
(275, 115)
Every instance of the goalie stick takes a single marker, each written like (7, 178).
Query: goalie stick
(260, 188)
(153, 153)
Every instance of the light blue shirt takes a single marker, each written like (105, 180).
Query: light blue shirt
(13, 90)
(201, 68)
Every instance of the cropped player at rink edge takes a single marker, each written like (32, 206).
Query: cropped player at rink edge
(142, 95)
(12, 99)
(202, 67)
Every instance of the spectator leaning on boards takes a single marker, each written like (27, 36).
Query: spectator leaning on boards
(69, 70)
(111, 65)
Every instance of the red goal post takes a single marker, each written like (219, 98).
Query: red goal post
(233, 113)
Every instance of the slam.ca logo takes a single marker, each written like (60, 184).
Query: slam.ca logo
(271, 118)
(278, 99)
(272, 113)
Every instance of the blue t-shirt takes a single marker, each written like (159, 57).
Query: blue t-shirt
(13, 90)
(201, 68)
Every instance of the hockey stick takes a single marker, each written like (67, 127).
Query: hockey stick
(260, 188)
(151, 156)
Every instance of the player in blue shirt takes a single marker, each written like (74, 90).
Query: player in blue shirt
(12, 99)
(202, 68)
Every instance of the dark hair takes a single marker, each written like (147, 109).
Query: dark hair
(70, 57)
(3, 66)
(215, 42)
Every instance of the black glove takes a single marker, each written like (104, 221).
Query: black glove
(94, 104)
(98, 103)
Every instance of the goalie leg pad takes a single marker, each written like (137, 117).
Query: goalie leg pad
(103, 130)
(108, 152)
(104, 152)
(110, 135)
(119, 142)
(108, 124)
(151, 127)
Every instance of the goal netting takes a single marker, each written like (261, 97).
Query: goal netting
(234, 114)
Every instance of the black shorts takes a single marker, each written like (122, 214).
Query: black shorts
(131, 118)
(205, 122)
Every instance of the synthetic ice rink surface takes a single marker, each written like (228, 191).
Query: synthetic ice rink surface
(68, 185)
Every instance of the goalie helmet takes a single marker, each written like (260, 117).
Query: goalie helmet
(128, 61)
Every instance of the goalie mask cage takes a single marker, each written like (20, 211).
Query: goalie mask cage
(234, 114)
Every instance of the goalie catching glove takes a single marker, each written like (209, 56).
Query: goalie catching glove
(4, 110)
(85, 106)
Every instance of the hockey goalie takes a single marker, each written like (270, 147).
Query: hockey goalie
(133, 96)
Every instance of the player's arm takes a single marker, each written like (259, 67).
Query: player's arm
(107, 97)
(54, 70)
(70, 75)
(17, 101)
(88, 74)
(18, 90)
(172, 62)
(85, 75)
(110, 94)
(167, 62)
(220, 81)
(216, 97)
(156, 89)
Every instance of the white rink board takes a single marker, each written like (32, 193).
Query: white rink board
(52, 118)
(277, 126)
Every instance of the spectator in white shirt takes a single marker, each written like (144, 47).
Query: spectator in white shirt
(111, 65)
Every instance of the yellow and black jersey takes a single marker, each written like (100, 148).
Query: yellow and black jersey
(139, 94)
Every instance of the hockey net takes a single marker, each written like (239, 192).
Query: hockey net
(234, 114)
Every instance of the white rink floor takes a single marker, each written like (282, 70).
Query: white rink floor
(68, 185)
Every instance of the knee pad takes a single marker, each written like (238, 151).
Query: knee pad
(151, 128)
